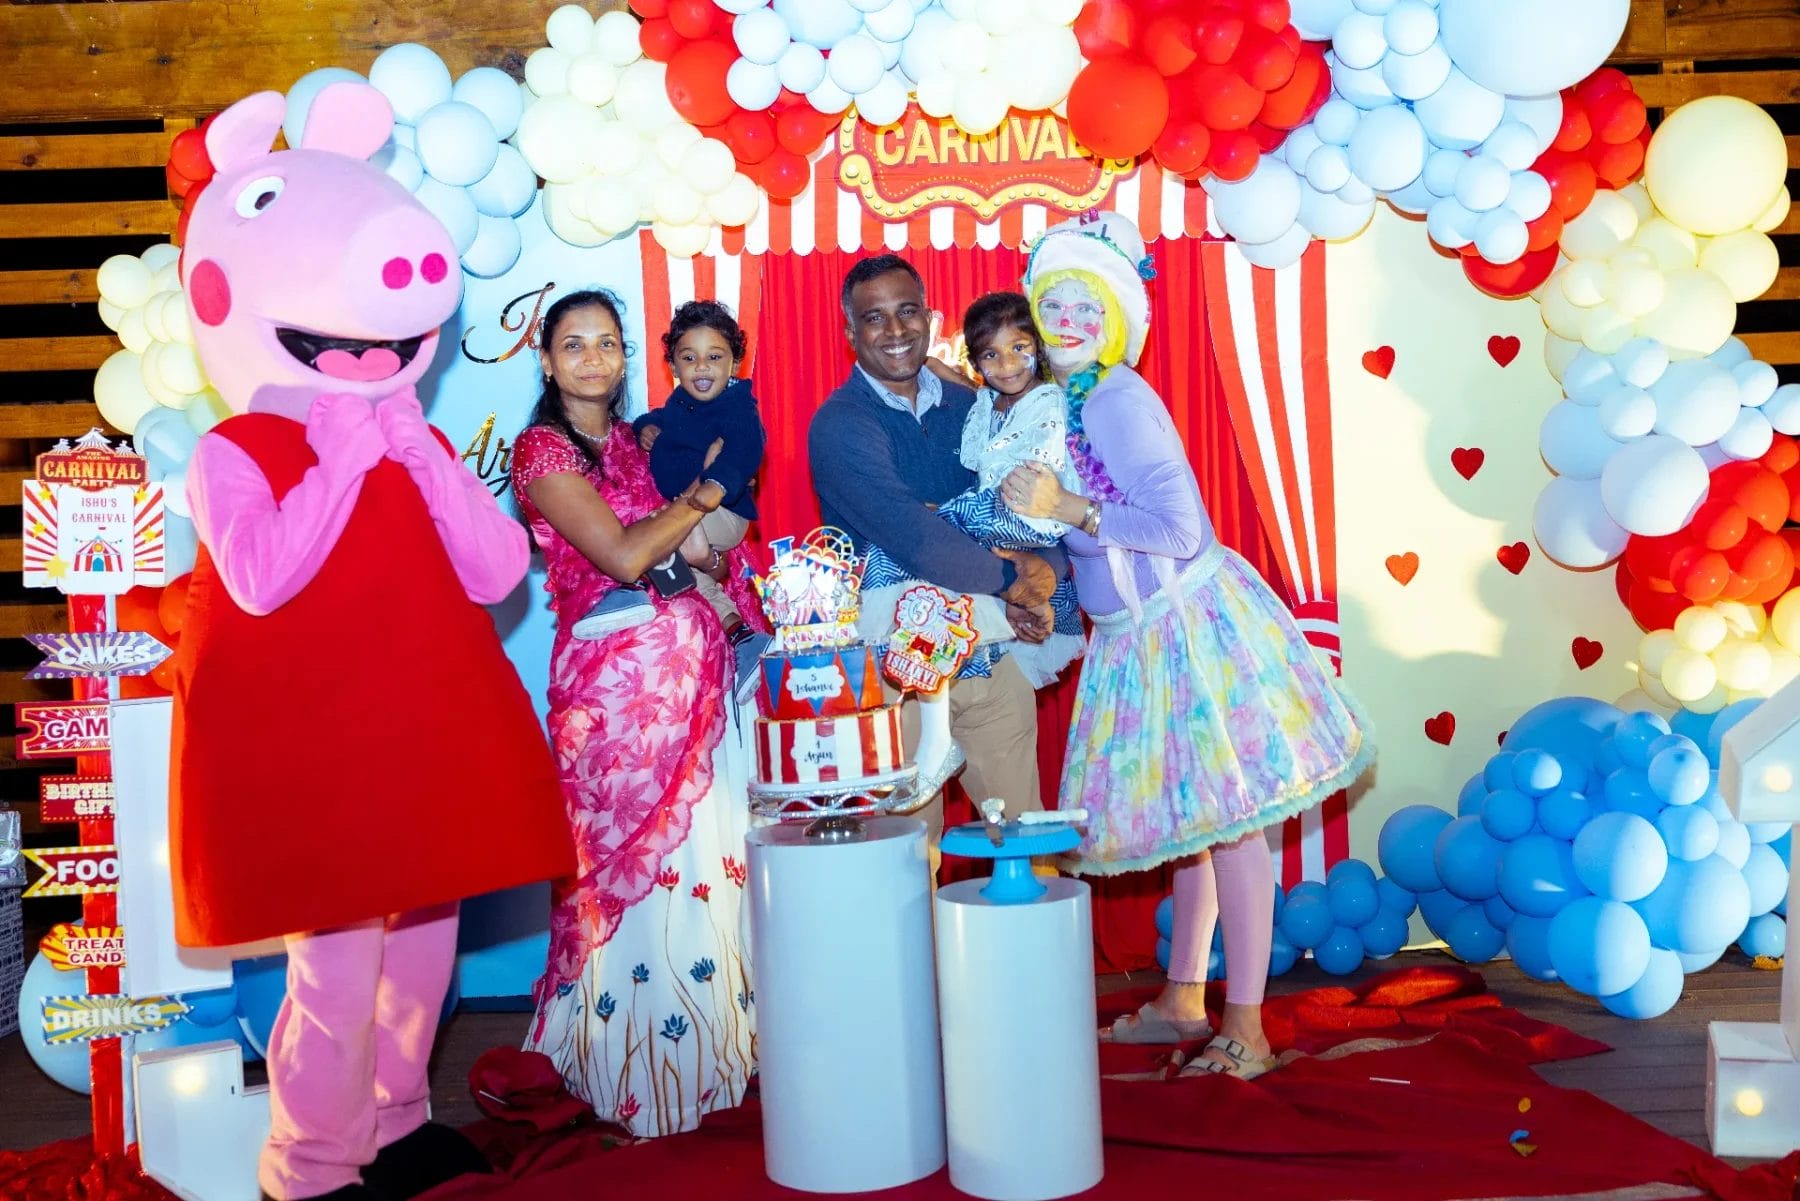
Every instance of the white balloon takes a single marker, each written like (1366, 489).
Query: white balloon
(506, 190)
(615, 39)
(1627, 412)
(885, 103)
(570, 29)
(753, 87)
(1483, 183)
(456, 143)
(1388, 149)
(1571, 525)
(820, 23)
(855, 64)
(495, 93)
(125, 280)
(1039, 66)
(1284, 251)
(1359, 41)
(1317, 20)
(1756, 382)
(996, 16)
(967, 48)
(1410, 26)
(761, 36)
(801, 68)
(1449, 224)
(1653, 486)
(1461, 114)
(1696, 401)
(1416, 76)
(1573, 443)
(495, 248)
(1528, 195)
(1336, 120)
(300, 98)
(1783, 409)
(980, 105)
(412, 77)
(936, 94)
(1530, 47)
(1262, 206)
(890, 22)
(453, 208)
(1749, 437)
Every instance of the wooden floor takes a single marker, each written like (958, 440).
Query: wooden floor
(1657, 1071)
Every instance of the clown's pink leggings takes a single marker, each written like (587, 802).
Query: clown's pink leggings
(1234, 883)
(348, 1054)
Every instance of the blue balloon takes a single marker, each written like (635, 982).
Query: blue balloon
(1468, 860)
(1406, 846)
(1692, 726)
(1700, 908)
(1498, 773)
(1766, 935)
(1633, 735)
(1396, 900)
(1620, 856)
(1679, 775)
(1472, 938)
(1690, 832)
(1784, 846)
(1628, 791)
(1767, 832)
(1734, 843)
(1537, 876)
(1722, 722)
(1351, 893)
(1306, 921)
(1282, 955)
(1767, 877)
(1280, 900)
(1162, 954)
(1215, 964)
(1218, 938)
(1536, 772)
(1499, 914)
(65, 1063)
(1508, 813)
(1528, 942)
(214, 1007)
(1383, 934)
(1654, 993)
(1570, 727)
(1563, 812)
(1715, 804)
(1470, 798)
(1350, 869)
(1599, 947)
(1165, 915)
(1438, 907)
(261, 987)
(1700, 961)
(1341, 953)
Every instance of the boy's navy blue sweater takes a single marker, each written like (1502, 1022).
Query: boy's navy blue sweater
(689, 426)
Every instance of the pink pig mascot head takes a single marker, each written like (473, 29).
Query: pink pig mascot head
(311, 270)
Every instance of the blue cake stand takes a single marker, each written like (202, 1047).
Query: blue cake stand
(1013, 882)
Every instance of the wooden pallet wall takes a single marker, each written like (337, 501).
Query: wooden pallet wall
(94, 93)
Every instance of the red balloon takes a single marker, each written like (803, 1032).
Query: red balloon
(1782, 457)
(1105, 27)
(1544, 233)
(1618, 116)
(188, 157)
(1224, 99)
(658, 39)
(751, 137)
(1268, 138)
(696, 81)
(800, 130)
(1265, 60)
(1601, 83)
(1118, 105)
(1217, 35)
(1617, 164)
(1701, 576)
(1514, 279)
(1271, 15)
(785, 174)
(137, 610)
(1575, 130)
(1233, 156)
(171, 610)
(1182, 147)
(650, 10)
(1293, 103)
(1571, 183)
(693, 18)
(1654, 610)
(1169, 44)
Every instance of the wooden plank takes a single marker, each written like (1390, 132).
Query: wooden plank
(19, 620)
(48, 287)
(11, 554)
(91, 220)
(64, 419)
(56, 354)
(1645, 38)
(15, 687)
(1758, 87)
(1780, 347)
(1793, 149)
(56, 152)
(1785, 287)
(1714, 29)
(188, 58)
(1791, 225)
(10, 480)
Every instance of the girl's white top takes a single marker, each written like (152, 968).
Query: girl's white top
(1035, 429)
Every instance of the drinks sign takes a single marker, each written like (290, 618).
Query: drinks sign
(921, 162)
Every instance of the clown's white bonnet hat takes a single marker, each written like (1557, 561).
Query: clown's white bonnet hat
(1109, 246)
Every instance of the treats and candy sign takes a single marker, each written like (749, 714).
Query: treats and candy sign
(933, 637)
(920, 162)
(812, 593)
(93, 520)
(73, 947)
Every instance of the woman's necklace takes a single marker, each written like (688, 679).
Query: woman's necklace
(594, 439)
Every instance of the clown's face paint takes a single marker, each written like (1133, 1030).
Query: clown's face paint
(1073, 321)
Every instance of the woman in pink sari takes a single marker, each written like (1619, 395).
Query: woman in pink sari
(646, 1002)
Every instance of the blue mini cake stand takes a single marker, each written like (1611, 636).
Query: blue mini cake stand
(1013, 882)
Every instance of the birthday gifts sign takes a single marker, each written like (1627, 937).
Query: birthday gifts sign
(93, 520)
(74, 798)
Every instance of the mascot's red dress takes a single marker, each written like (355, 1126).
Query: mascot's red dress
(353, 753)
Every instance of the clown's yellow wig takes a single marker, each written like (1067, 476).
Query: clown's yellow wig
(1112, 339)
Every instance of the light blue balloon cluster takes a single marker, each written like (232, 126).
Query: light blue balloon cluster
(166, 439)
(1352, 915)
(1596, 849)
(448, 147)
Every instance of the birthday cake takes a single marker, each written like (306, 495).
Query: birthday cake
(824, 726)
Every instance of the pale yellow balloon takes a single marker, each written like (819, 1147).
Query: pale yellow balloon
(591, 79)
(1714, 164)
(682, 241)
(1652, 688)
(547, 72)
(1606, 224)
(111, 314)
(1745, 262)
(133, 332)
(1742, 665)
(1640, 701)
(1670, 245)
(564, 223)
(1604, 330)
(1639, 198)
(1700, 629)
(120, 392)
(156, 382)
(1584, 283)
(1784, 667)
(206, 410)
(179, 366)
(1654, 649)
(1712, 702)
(1558, 353)
(1560, 315)
(1784, 620)
(1688, 675)
(1775, 214)
(1635, 288)
(1696, 316)
(1739, 621)
(124, 280)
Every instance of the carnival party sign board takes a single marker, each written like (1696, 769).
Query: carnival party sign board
(93, 520)
(75, 798)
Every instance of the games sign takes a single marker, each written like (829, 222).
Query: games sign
(58, 729)
(921, 162)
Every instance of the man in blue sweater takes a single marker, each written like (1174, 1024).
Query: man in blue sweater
(884, 448)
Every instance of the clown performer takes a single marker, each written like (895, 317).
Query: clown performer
(1203, 717)
(352, 752)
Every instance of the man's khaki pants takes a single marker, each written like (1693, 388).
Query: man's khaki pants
(994, 721)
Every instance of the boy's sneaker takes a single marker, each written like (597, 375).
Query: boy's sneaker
(618, 610)
(747, 645)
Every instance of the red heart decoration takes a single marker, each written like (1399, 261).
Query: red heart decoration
(1502, 738)
(1467, 460)
(1504, 350)
(1403, 567)
(1586, 651)
(1380, 361)
(1514, 557)
(1442, 728)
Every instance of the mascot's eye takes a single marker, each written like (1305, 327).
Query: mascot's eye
(259, 194)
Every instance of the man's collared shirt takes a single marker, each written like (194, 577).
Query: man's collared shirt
(931, 393)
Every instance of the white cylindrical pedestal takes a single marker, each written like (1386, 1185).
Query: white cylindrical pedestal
(846, 1007)
(1021, 1056)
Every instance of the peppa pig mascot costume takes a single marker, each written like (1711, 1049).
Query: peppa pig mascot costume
(353, 753)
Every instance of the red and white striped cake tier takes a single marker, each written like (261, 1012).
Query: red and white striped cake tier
(838, 753)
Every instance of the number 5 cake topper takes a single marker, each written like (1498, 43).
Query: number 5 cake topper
(932, 639)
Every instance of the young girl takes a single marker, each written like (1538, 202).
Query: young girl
(708, 429)
(1018, 417)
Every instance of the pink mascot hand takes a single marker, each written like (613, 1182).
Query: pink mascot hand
(342, 431)
(488, 549)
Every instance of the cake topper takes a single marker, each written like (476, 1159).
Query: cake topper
(813, 591)
(933, 637)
